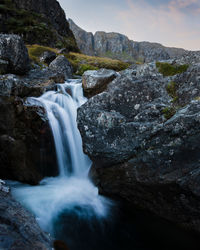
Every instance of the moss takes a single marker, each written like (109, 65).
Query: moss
(169, 112)
(84, 67)
(171, 90)
(99, 62)
(168, 69)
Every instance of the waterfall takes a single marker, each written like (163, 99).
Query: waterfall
(72, 188)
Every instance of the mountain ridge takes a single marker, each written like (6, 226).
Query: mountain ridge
(118, 46)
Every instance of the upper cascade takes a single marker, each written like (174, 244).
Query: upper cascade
(38, 22)
(118, 46)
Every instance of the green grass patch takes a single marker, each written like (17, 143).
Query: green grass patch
(168, 69)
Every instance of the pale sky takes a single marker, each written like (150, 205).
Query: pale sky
(174, 23)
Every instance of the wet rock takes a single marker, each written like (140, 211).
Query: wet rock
(18, 228)
(47, 57)
(62, 65)
(13, 50)
(96, 81)
(139, 155)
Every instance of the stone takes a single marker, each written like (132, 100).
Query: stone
(47, 57)
(3, 66)
(18, 228)
(138, 154)
(62, 65)
(14, 51)
(95, 81)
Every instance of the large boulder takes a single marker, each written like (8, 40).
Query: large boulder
(18, 228)
(62, 65)
(96, 81)
(138, 153)
(27, 151)
(14, 52)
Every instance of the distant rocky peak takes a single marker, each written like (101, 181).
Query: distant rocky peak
(118, 46)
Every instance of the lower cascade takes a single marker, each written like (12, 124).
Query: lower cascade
(72, 190)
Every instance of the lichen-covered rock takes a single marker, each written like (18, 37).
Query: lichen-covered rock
(62, 65)
(18, 228)
(138, 154)
(14, 51)
(95, 81)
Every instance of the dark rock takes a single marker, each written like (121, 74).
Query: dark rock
(39, 22)
(27, 150)
(18, 228)
(3, 66)
(62, 65)
(96, 81)
(13, 50)
(140, 156)
(118, 46)
(47, 57)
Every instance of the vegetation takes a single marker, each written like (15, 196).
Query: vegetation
(168, 69)
(171, 89)
(80, 62)
(169, 112)
(33, 27)
(78, 59)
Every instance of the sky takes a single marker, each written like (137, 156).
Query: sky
(173, 23)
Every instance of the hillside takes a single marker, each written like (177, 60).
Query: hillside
(42, 22)
(118, 46)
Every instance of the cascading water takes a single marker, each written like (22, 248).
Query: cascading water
(72, 189)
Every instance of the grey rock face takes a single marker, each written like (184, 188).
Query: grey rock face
(95, 81)
(85, 40)
(13, 51)
(118, 46)
(18, 228)
(137, 153)
(62, 65)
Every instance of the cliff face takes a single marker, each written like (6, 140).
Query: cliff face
(42, 22)
(118, 46)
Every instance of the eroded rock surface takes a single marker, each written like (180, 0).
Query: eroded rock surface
(140, 155)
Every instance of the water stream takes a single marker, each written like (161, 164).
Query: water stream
(72, 188)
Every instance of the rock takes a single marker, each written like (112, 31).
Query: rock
(118, 46)
(18, 228)
(140, 156)
(62, 65)
(13, 50)
(96, 81)
(27, 151)
(47, 57)
(3, 67)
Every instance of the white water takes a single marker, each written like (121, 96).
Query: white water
(72, 187)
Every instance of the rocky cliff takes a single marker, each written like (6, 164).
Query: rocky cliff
(142, 134)
(42, 22)
(118, 46)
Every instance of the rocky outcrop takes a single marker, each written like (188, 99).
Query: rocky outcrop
(118, 46)
(27, 151)
(140, 155)
(62, 65)
(38, 22)
(96, 81)
(47, 57)
(85, 40)
(14, 52)
(18, 228)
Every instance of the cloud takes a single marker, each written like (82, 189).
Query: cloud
(165, 23)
